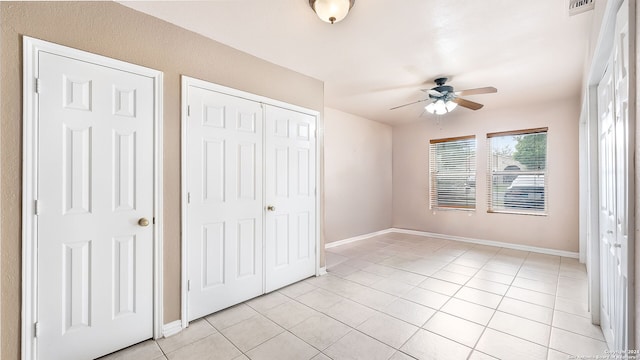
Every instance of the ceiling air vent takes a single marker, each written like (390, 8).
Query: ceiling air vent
(579, 6)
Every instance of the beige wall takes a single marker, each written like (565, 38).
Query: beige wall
(597, 20)
(357, 175)
(110, 29)
(558, 230)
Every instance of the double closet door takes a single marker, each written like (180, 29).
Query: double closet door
(616, 189)
(250, 212)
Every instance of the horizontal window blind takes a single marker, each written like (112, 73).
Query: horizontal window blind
(452, 173)
(517, 171)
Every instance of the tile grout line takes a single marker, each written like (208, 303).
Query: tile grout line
(338, 320)
(553, 311)
(494, 312)
(234, 344)
(452, 260)
(522, 263)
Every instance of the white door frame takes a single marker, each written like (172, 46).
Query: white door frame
(189, 81)
(590, 198)
(31, 48)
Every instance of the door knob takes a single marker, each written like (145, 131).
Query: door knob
(617, 245)
(609, 232)
(271, 208)
(143, 222)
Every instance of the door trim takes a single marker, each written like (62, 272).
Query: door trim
(31, 48)
(190, 81)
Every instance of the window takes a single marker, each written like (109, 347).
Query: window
(453, 173)
(517, 170)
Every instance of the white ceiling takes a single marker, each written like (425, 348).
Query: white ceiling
(385, 51)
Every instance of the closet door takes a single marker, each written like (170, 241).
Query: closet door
(224, 207)
(616, 160)
(95, 188)
(290, 188)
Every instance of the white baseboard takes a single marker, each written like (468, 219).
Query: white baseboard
(172, 328)
(322, 271)
(357, 238)
(541, 250)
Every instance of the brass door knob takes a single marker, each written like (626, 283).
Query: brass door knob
(143, 222)
(271, 208)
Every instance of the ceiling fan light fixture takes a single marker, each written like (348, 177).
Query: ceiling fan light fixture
(331, 11)
(444, 99)
(440, 107)
(430, 108)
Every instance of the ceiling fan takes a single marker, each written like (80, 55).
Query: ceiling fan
(445, 99)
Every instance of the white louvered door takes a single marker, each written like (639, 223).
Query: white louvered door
(95, 181)
(225, 216)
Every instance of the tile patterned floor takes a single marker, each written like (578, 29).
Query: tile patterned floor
(399, 296)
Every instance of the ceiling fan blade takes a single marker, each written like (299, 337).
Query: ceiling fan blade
(415, 102)
(468, 104)
(482, 90)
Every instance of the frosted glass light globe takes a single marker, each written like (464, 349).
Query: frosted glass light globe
(331, 11)
(441, 108)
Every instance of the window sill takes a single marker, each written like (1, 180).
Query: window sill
(517, 212)
(452, 209)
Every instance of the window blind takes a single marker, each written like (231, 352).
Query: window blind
(517, 171)
(452, 173)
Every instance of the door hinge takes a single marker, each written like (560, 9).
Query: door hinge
(36, 207)
(36, 329)
(188, 110)
(188, 198)
(154, 221)
(188, 285)
(37, 85)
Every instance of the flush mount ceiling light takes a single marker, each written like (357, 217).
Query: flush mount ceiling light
(331, 11)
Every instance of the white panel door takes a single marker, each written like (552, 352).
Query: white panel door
(224, 210)
(95, 181)
(290, 187)
(615, 159)
(609, 253)
(624, 157)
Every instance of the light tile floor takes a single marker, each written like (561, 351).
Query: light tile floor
(399, 296)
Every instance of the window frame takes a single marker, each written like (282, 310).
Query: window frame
(490, 173)
(433, 189)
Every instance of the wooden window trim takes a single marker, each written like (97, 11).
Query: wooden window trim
(451, 139)
(518, 132)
